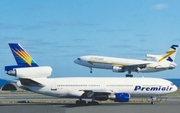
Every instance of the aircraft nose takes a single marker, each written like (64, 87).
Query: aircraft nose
(77, 61)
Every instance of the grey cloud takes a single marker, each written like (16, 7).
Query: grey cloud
(7, 39)
(66, 23)
(68, 55)
(17, 26)
(136, 15)
(80, 40)
(10, 38)
(142, 40)
(26, 42)
(33, 27)
(143, 35)
(9, 26)
(90, 52)
(69, 46)
(111, 30)
(133, 55)
(123, 46)
(124, 40)
(143, 50)
(33, 7)
(160, 6)
(175, 40)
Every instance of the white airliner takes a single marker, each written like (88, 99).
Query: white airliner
(152, 63)
(34, 78)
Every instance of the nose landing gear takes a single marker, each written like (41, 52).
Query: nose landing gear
(90, 70)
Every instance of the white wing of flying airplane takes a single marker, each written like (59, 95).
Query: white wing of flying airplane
(153, 63)
(34, 78)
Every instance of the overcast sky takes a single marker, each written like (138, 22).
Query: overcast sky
(56, 32)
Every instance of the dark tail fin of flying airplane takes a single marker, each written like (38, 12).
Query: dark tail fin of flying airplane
(170, 54)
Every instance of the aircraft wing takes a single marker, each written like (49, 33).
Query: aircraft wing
(30, 82)
(136, 65)
(90, 93)
(133, 66)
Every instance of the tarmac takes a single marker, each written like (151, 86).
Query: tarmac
(34, 103)
(165, 107)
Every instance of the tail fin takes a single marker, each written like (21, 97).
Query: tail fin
(23, 59)
(170, 54)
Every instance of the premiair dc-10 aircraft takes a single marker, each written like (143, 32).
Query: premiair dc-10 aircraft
(34, 78)
(152, 63)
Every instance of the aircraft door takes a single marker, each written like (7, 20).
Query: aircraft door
(103, 85)
(53, 86)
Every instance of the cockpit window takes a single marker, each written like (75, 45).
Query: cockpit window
(171, 84)
(78, 59)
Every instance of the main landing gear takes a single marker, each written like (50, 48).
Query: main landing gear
(81, 102)
(93, 102)
(129, 74)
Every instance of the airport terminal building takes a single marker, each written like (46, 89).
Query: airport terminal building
(8, 85)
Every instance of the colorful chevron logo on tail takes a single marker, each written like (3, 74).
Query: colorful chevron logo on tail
(21, 56)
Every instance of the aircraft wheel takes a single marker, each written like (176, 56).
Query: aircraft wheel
(91, 70)
(81, 102)
(129, 75)
(93, 103)
(152, 102)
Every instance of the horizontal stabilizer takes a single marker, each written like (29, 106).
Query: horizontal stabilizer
(8, 68)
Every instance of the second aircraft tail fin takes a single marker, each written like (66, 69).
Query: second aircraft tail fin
(170, 54)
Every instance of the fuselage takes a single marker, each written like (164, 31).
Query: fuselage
(71, 87)
(103, 62)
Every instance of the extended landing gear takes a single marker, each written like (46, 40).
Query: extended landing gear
(129, 74)
(90, 70)
(81, 102)
(93, 103)
(152, 100)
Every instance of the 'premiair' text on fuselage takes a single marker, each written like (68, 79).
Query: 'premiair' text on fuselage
(153, 88)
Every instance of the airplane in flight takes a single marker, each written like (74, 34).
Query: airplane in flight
(35, 78)
(152, 63)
